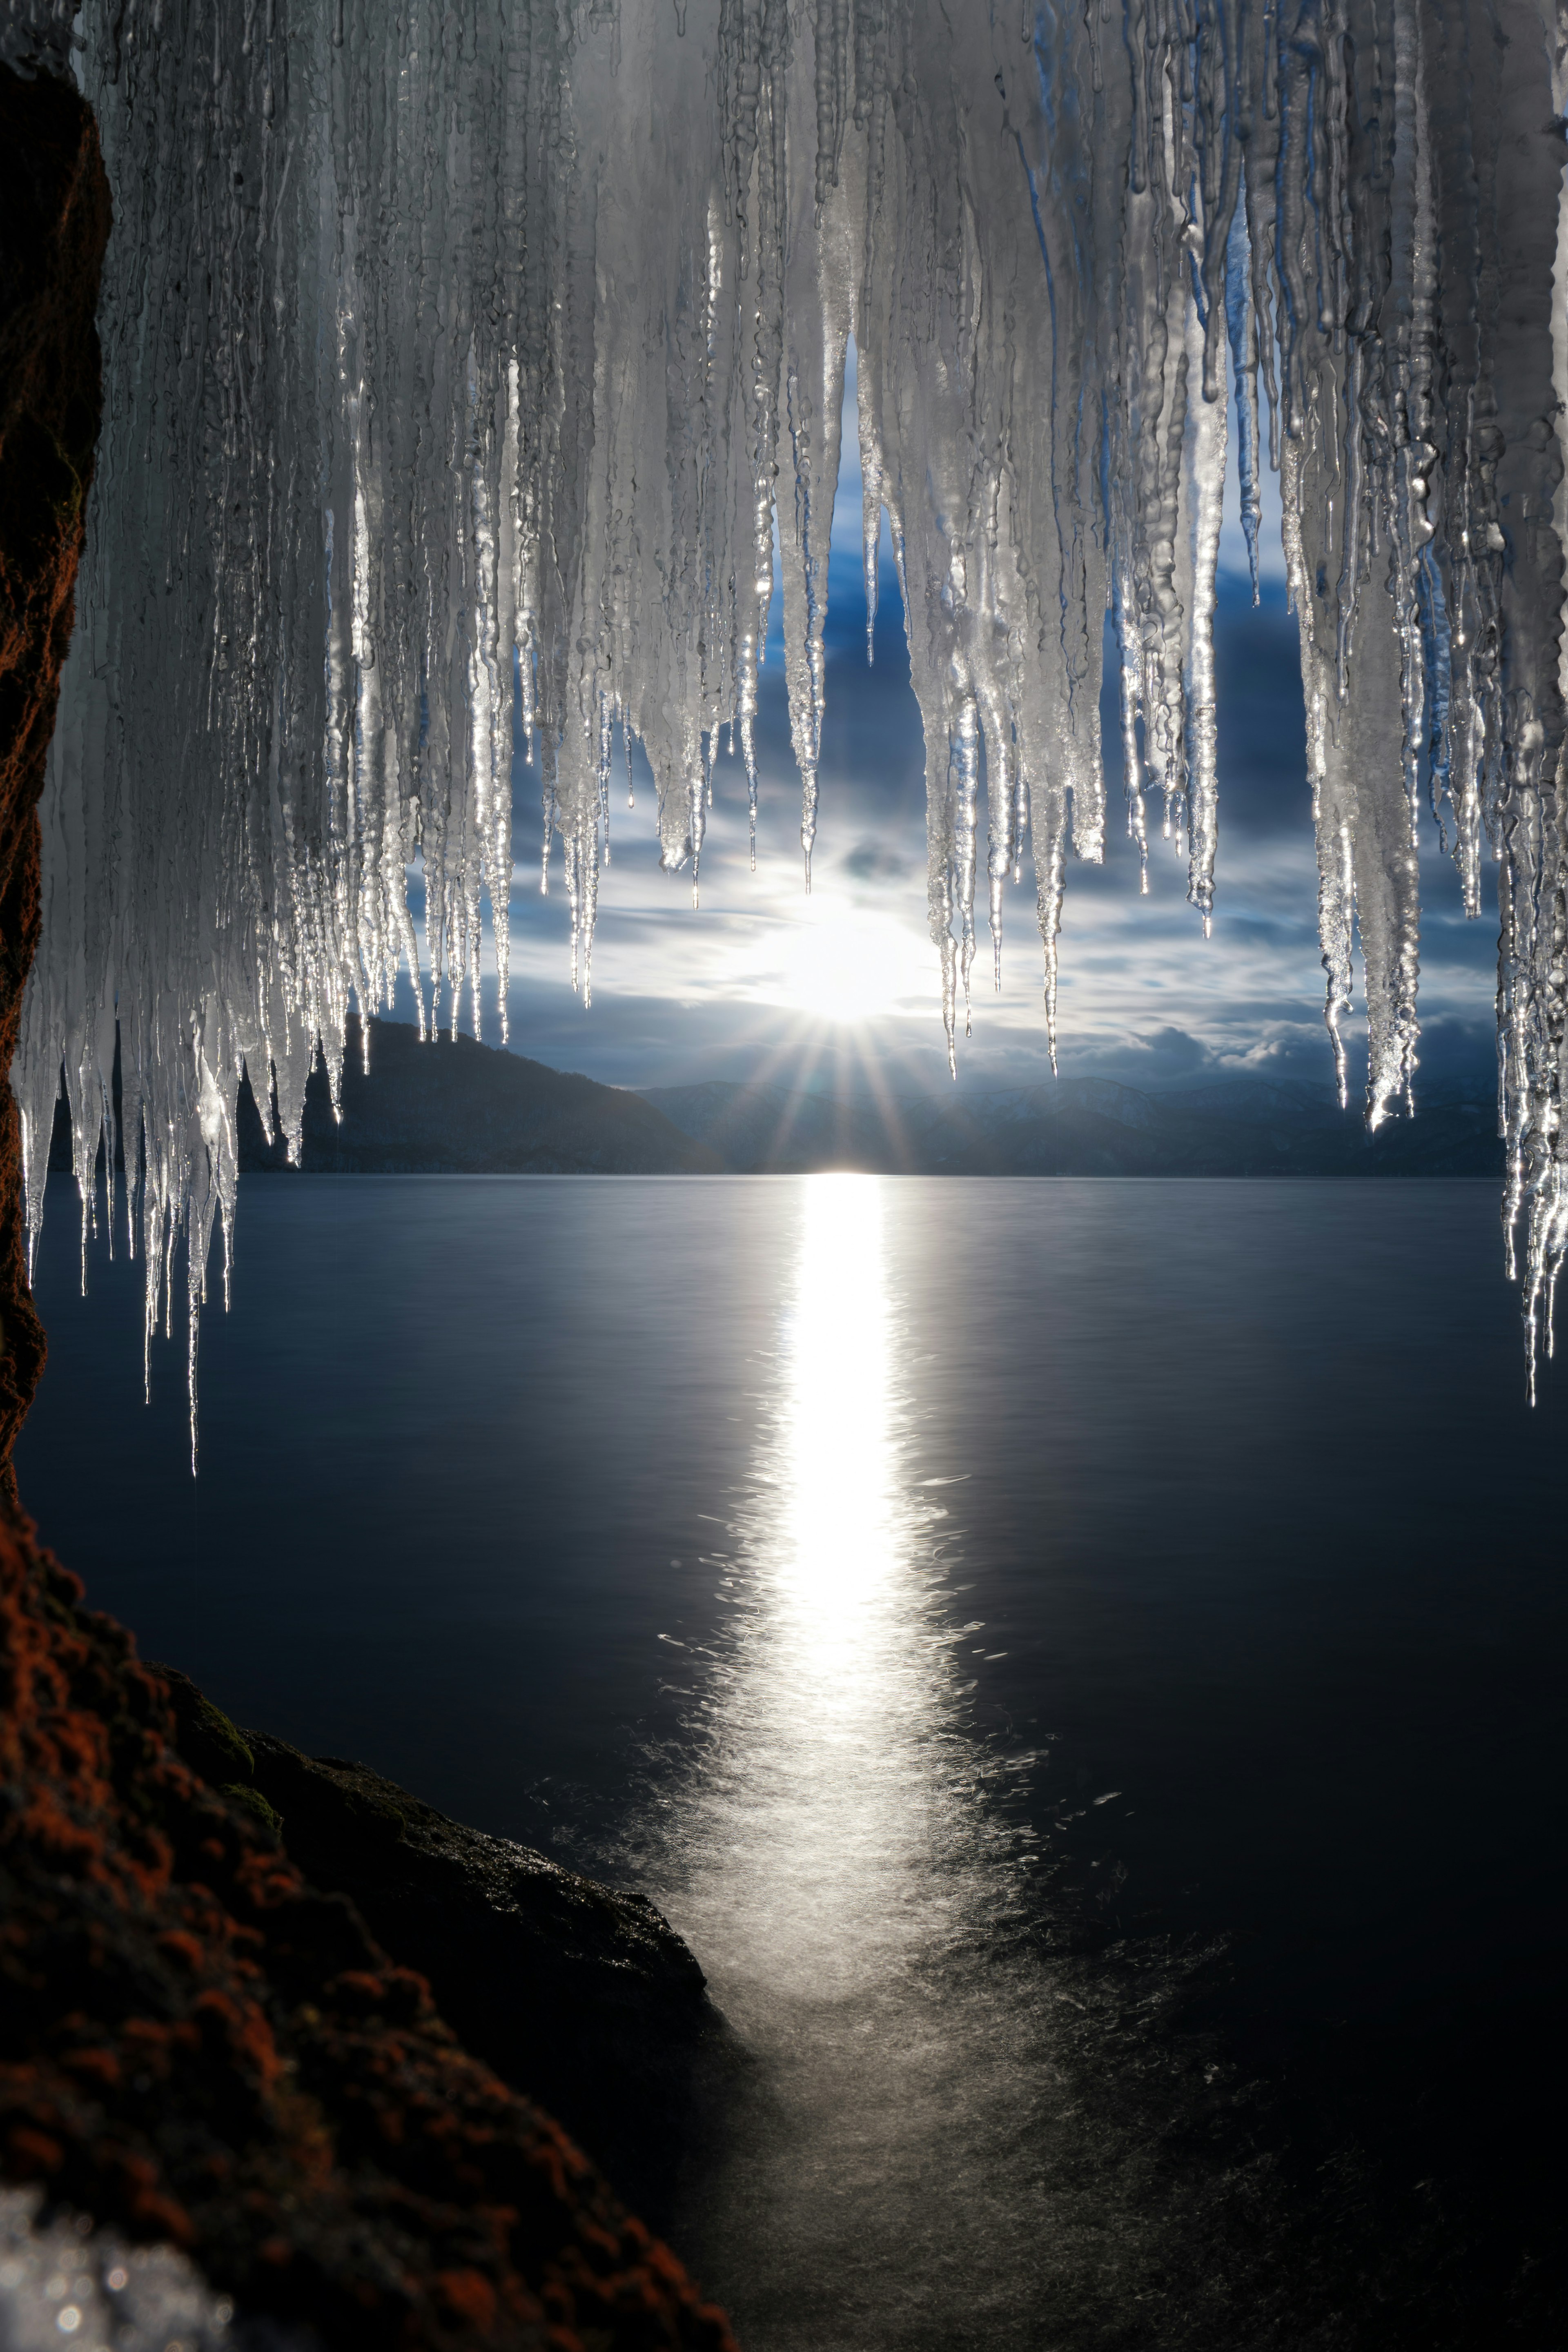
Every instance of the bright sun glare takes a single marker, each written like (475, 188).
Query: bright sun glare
(840, 1442)
(842, 963)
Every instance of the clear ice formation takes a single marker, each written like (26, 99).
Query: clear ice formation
(460, 361)
(64, 2282)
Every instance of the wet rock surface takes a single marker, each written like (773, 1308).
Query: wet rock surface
(581, 1993)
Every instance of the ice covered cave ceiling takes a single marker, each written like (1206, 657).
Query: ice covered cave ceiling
(464, 355)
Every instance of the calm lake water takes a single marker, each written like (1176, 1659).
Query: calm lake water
(1080, 1662)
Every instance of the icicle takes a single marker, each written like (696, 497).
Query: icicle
(1203, 498)
(456, 392)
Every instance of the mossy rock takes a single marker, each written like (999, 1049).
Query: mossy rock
(254, 1803)
(208, 1741)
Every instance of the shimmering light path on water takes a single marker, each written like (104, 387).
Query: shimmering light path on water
(1063, 1651)
(822, 1846)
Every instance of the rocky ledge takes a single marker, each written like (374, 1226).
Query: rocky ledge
(199, 2047)
(581, 1993)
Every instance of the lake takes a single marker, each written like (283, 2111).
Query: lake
(1080, 1662)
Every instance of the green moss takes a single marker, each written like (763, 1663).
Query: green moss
(215, 1726)
(207, 1739)
(238, 1793)
(372, 1812)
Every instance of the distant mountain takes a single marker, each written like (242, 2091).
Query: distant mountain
(1082, 1127)
(454, 1108)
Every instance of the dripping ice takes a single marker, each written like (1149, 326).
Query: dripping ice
(510, 357)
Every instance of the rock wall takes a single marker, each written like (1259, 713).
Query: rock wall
(54, 226)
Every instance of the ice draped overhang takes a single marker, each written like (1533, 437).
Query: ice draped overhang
(461, 362)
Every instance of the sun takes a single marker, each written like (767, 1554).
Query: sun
(842, 963)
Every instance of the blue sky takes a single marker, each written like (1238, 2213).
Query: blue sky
(844, 988)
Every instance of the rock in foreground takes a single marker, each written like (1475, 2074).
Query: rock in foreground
(581, 1994)
(197, 2047)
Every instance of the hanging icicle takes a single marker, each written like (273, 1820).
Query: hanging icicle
(460, 367)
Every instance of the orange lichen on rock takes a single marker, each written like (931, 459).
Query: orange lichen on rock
(197, 2046)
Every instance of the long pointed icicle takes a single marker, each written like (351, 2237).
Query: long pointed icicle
(442, 373)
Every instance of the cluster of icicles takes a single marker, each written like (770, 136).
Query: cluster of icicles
(461, 362)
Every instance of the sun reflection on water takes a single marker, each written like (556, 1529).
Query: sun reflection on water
(830, 1684)
(908, 2160)
(839, 1536)
(823, 1852)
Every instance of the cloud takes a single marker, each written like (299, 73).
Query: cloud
(845, 989)
(1163, 1057)
(873, 861)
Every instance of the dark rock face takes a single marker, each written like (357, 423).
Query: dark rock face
(584, 1995)
(196, 2046)
(54, 224)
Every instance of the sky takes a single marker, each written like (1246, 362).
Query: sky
(842, 989)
